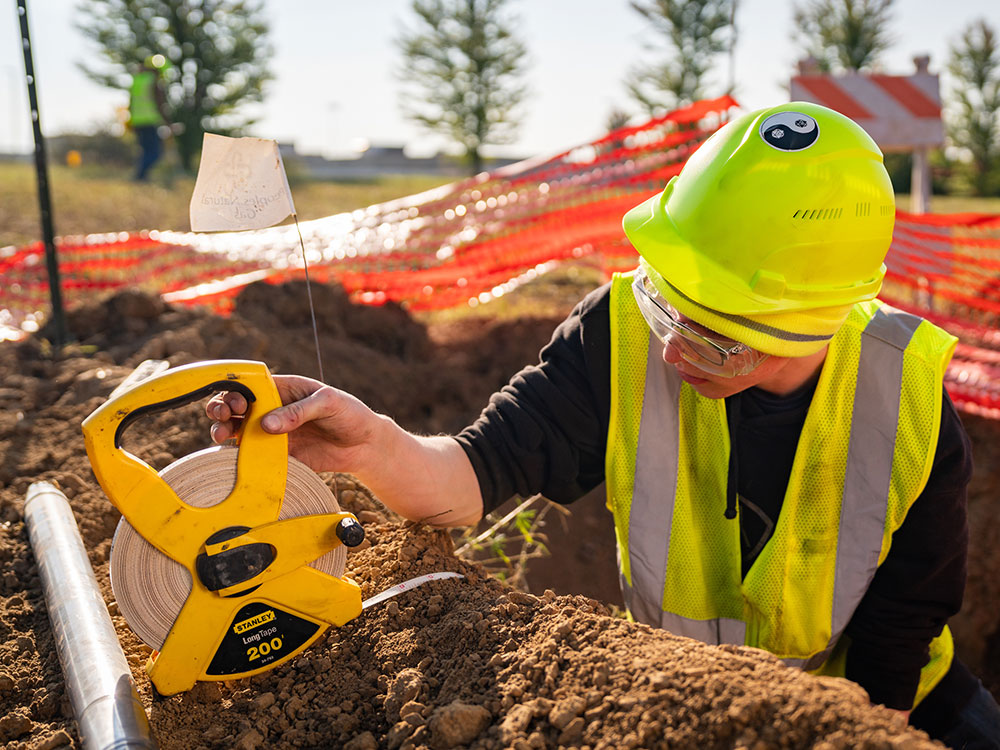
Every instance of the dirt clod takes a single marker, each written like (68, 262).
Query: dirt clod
(55, 740)
(251, 739)
(405, 688)
(457, 724)
(364, 741)
(14, 725)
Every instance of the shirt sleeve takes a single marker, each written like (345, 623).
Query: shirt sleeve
(545, 431)
(920, 583)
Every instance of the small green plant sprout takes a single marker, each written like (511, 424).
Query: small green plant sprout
(510, 542)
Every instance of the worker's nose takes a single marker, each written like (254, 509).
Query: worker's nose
(671, 354)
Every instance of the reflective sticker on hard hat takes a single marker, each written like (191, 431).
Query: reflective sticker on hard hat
(789, 131)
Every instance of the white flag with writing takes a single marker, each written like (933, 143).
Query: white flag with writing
(241, 184)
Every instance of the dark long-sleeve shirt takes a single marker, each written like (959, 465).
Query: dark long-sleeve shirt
(546, 431)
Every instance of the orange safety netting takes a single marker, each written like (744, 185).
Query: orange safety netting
(473, 240)
(946, 268)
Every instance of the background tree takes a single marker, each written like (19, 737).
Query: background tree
(616, 118)
(843, 35)
(974, 126)
(695, 32)
(217, 49)
(462, 69)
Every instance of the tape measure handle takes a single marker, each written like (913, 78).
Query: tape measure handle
(175, 403)
(123, 475)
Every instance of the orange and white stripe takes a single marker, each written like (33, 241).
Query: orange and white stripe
(899, 112)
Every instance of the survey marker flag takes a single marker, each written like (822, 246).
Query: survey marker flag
(241, 184)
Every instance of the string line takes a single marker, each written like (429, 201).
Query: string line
(312, 310)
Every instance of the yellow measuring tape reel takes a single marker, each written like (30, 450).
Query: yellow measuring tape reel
(240, 551)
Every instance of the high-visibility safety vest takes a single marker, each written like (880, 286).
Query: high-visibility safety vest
(142, 107)
(863, 458)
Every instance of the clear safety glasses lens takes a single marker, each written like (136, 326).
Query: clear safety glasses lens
(724, 358)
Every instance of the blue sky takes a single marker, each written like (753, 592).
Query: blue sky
(335, 60)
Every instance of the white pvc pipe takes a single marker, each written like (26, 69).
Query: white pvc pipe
(107, 707)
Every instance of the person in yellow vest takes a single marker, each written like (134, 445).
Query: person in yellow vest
(784, 467)
(148, 113)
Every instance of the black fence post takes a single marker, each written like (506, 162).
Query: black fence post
(44, 198)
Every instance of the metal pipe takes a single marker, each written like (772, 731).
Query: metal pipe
(107, 707)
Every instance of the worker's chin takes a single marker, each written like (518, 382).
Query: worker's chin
(708, 385)
(692, 378)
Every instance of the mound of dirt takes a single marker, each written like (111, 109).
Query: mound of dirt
(457, 663)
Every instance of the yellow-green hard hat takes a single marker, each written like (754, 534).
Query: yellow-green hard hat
(157, 62)
(781, 210)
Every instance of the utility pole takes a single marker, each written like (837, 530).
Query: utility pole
(44, 197)
(731, 86)
(920, 173)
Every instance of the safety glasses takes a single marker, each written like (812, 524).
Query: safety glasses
(707, 351)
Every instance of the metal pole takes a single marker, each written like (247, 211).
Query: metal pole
(731, 88)
(98, 680)
(920, 181)
(41, 167)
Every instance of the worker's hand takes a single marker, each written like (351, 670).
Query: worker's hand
(427, 479)
(328, 429)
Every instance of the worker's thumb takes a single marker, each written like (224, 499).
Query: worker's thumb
(284, 418)
(273, 423)
(292, 416)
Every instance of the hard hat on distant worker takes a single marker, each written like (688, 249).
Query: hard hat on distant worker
(776, 226)
(157, 62)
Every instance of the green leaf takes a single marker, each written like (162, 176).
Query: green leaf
(499, 552)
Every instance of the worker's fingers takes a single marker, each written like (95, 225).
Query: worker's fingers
(227, 410)
(221, 432)
(224, 406)
(213, 409)
(236, 403)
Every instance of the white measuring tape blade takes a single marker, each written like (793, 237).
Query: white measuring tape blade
(399, 588)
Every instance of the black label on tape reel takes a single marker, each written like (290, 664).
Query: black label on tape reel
(259, 635)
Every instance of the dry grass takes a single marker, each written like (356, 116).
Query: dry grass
(84, 202)
(92, 201)
(955, 204)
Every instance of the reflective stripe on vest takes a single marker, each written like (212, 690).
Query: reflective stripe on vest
(867, 447)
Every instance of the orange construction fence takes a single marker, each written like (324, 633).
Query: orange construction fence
(475, 239)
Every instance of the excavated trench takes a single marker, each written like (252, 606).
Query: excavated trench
(457, 663)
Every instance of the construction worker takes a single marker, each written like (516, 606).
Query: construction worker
(148, 112)
(783, 465)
